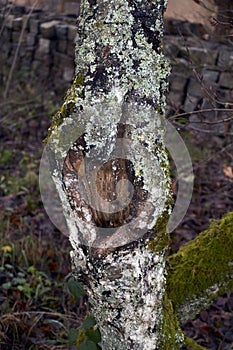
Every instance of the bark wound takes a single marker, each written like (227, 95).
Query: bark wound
(114, 181)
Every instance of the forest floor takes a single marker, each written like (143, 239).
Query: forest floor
(36, 310)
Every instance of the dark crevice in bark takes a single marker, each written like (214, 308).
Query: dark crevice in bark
(145, 18)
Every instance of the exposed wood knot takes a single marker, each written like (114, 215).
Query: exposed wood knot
(110, 193)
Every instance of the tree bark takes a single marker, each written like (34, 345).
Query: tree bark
(110, 167)
(112, 120)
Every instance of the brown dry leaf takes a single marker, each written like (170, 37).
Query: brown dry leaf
(228, 171)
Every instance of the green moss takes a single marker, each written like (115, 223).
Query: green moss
(173, 335)
(81, 337)
(162, 238)
(6, 157)
(203, 263)
(69, 104)
(192, 345)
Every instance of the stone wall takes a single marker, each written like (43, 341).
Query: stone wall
(40, 48)
(202, 77)
(57, 6)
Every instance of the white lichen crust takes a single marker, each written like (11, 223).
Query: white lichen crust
(126, 294)
(119, 51)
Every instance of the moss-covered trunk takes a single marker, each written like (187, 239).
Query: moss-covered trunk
(202, 269)
(109, 165)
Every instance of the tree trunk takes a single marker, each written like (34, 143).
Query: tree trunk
(110, 167)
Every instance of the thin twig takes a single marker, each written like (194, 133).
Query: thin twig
(215, 155)
(13, 102)
(42, 313)
(208, 91)
(204, 111)
(17, 50)
(182, 126)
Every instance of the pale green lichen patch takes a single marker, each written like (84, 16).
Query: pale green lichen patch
(202, 269)
(117, 57)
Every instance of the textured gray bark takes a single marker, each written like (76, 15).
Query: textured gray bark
(115, 110)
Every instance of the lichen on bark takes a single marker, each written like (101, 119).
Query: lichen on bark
(114, 113)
